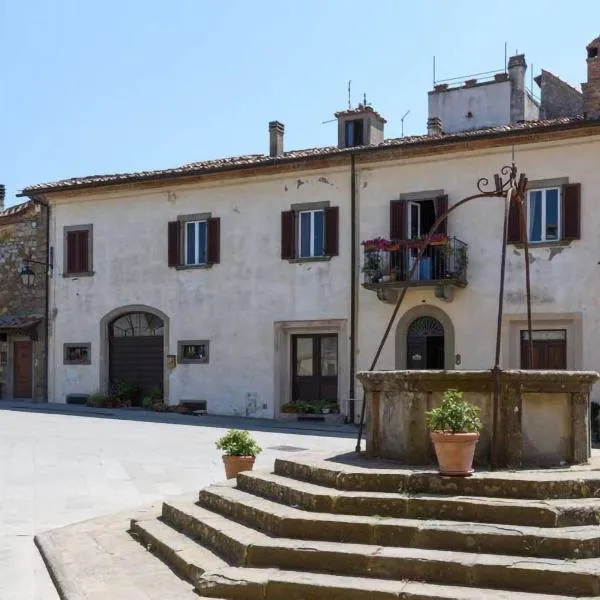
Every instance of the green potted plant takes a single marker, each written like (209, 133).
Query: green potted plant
(240, 451)
(454, 427)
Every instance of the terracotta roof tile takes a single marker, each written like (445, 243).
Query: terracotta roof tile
(260, 160)
(17, 209)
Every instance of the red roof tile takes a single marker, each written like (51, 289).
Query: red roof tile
(262, 160)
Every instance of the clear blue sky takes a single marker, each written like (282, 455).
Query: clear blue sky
(125, 85)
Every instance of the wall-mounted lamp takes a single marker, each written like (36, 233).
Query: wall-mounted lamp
(28, 274)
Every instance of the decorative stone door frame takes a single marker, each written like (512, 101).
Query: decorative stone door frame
(424, 310)
(105, 342)
(284, 330)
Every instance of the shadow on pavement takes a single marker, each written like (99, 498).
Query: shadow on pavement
(221, 422)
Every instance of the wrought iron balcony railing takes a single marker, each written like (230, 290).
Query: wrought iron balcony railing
(389, 264)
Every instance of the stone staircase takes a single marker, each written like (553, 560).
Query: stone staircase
(341, 530)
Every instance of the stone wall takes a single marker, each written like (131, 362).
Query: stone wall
(559, 99)
(22, 229)
(543, 416)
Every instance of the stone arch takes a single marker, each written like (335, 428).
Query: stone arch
(424, 310)
(105, 323)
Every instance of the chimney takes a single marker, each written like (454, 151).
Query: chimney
(591, 89)
(361, 126)
(276, 130)
(434, 127)
(2, 195)
(516, 74)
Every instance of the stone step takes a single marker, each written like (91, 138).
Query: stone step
(505, 511)
(249, 548)
(382, 476)
(273, 584)
(278, 520)
(187, 558)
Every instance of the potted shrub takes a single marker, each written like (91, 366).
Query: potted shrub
(455, 427)
(240, 451)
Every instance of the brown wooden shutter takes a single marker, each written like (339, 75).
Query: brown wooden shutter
(441, 207)
(288, 235)
(332, 218)
(83, 238)
(71, 242)
(398, 220)
(571, 211)
(213, 242)
(514, 223)
(174, 243)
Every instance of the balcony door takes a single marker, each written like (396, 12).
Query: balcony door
(314, 367)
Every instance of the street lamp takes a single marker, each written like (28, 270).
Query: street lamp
(28, 274)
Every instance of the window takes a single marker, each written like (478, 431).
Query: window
(309, 231)
(194, 241)
(77, 354)
(3, 358)
(549, 349)
(354, 132)
(552, 213)
(311, 234)
(78, 250)
(544, 215)
(195, 351)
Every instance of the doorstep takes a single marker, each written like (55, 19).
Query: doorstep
(333, 419)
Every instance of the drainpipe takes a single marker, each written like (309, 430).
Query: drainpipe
(46, 207)
(353, 291)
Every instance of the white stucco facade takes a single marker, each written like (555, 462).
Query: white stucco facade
(250, 303)
(238, 304)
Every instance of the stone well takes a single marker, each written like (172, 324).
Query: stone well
(543, 416)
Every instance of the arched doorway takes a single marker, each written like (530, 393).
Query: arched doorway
(420, 323)
(136, 351)
(425, 344)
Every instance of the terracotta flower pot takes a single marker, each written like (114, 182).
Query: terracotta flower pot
(237, 464)
(454, 452)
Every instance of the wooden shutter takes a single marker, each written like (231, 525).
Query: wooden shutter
(174, 243)
(514, 223)
(398, 220)
(83, 238)
(332, 218)
(571, 211)
(441, 207)
(77, 251)
(213, 242)
(288, 235)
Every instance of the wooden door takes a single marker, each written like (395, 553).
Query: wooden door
(314, 368)
(23, 370)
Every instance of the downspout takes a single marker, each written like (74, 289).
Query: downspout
(46, 206)
(353, 291)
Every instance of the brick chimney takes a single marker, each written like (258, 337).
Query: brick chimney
(276, 130)
(434, 126)
(2, 195)
(591, 89)
(516, 74)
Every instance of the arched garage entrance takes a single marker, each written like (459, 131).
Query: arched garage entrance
(134, 348)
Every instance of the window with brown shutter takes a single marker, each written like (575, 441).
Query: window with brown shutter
(331, 243)
(213, 243)
(77, 242)
(571, 211)
(441, 208)
(288, 234)
(514, 223)
(194, 241)
(398, 220)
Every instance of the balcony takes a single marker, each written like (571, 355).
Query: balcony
(387, 265)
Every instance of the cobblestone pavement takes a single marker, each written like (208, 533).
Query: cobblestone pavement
(57, 469)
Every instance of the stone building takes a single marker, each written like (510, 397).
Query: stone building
(22, 308)
(243, 281)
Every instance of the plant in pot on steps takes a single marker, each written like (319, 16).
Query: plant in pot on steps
(240, 451)
(454, 427)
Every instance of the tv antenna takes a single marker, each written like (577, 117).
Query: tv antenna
(349, 94)
(402, 121)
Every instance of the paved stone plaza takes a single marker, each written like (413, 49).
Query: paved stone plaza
(57, 469)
